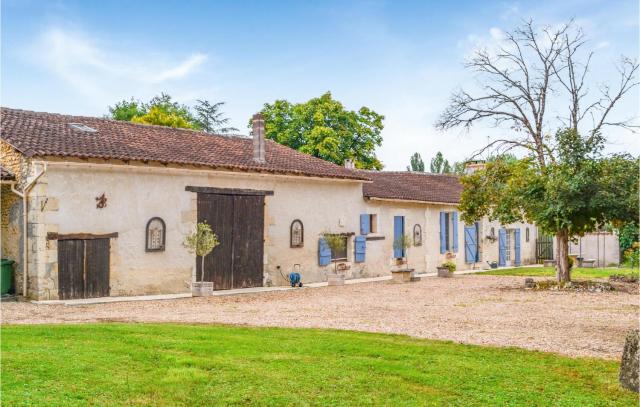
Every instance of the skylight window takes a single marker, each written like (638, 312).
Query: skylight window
(82, 127)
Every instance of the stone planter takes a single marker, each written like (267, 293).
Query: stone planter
(202, 289)
(402, 276)
(444, 272)
(335, 279)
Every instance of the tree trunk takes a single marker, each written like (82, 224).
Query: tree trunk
(563, 274)
(202, 271)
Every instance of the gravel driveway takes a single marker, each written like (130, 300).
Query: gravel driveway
(484, 310)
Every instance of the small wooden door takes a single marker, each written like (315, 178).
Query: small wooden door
(83, 268)
(238, 221)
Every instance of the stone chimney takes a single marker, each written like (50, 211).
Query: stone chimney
(348, 163)
(472, 166)
(258, 139)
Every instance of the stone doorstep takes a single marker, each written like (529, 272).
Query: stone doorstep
(102, 300)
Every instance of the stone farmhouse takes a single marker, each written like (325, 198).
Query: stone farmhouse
(93, 207)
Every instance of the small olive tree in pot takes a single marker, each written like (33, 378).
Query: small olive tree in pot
(336, 242)
(201, 242)
(403, 243)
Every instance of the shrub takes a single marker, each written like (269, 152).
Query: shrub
(632, 255)
(450, 265)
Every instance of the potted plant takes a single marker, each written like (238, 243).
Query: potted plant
(336, 243)
(201, 242)
(402, 274)
(403, 243)
(446, 269)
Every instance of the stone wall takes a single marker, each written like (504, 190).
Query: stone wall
(11, 209)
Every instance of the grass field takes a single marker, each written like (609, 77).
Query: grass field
(138, 364)
(584, 273)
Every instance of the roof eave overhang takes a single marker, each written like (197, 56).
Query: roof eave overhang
(414, 201)
(147, 166)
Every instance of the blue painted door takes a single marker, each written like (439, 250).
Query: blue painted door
(471, 243)
(398, 231)
(502, 247)
(516, 247)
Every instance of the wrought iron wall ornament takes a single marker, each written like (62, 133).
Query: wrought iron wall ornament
(417, 235)
(155, 235)
(296, 234)
(101, 201)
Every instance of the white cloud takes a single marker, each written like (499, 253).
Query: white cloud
(105, 72)
(181, 70)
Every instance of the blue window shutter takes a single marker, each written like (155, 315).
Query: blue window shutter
(324, 252)
(443, 237)
(516, 247)
(502, 247)
(361, 247)
(365, 226)
(398, 230)
(454, 227)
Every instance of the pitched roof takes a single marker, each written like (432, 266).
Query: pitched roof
(6, 175)
(49, 134)
(413, 186)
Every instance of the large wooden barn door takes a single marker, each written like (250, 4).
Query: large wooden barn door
(83, 268)
(238, 220)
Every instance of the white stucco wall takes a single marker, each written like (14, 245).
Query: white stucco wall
(64, 201)
(603, 247)
(135, 194)
(491, 248)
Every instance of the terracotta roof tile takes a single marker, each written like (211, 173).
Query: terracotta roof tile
(413, 186)
(49, 134)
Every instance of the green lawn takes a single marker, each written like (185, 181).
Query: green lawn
(139, 364)
(585, 273)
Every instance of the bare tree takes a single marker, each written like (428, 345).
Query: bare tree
(533, 72)
(518, 81)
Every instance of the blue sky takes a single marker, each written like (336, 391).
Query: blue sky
(402, 59)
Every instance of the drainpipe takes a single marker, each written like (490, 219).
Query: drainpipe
(25, 210)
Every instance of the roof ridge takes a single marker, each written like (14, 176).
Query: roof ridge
(110, 120)
(419, 173)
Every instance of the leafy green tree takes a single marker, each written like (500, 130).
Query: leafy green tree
(157, 116)
(323, 128)
(209, 118)
(628, 234)
(458, 167)
(162, 110)
(577, 193)
(126, 110)
(439, 165)
(417, 165)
